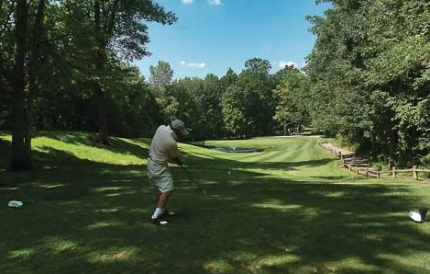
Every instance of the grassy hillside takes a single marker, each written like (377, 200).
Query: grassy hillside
(286, 209)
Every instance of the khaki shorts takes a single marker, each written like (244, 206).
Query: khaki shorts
(160, 177)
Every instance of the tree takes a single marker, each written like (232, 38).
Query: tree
(200, 105)
(161, 75)
(132, 111)
(248, 104)
(119, 32)
(236, 121)
(25, 42)
(291, 97)
(228, 79)
(160, 80)
(369, 76)
(211, 106)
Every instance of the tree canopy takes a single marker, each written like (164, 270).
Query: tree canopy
(369, 76)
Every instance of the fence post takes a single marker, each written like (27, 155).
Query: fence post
(415, 173)
(356, 170)
(349, 167)
(367, 172)
(378, 174)
(390, 164)
(394, 172)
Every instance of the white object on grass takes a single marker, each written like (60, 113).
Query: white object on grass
(415, 216)
(16, 204)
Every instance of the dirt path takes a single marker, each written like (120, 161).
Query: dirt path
(330, 146)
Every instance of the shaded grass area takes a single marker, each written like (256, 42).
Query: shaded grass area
(288, 209)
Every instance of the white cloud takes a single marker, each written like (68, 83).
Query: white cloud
(194, 65)
(187, 1)
(216, 2)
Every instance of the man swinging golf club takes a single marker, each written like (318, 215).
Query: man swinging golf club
(164, 148)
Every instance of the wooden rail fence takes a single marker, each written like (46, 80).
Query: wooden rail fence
(362, 167)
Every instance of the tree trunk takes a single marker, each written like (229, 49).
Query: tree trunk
(101, 102)
(103, 138)
(32, 71)
(100, 65)
(20, 159)
(392, 146)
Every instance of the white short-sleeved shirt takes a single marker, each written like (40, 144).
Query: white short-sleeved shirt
(163, 145)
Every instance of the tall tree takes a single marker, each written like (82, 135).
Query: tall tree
(291, 99)
(7, 11)
(161, 75)
(248, 105)
(119, 32)
(26, 41)
(20, 157)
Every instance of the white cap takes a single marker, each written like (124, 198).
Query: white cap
(179, 125)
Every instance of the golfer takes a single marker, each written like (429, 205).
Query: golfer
(163, 149)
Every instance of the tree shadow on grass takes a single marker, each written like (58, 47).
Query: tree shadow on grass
(247, 228)
(54, 158)
(119, 145)
(93, 219)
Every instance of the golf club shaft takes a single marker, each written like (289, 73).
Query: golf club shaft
(195, 182)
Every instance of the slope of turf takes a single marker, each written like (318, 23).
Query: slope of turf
(286, 209)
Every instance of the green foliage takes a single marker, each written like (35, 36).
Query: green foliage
(83, 43)
(369, 76)
(161, 75)
(231, 106)
(133, 110)
(291, 99)
(248, 104)
(199, 105)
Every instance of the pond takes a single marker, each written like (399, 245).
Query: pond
(236, 150)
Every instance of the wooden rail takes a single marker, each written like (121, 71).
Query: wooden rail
(360, 166)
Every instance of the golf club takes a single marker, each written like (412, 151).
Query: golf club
(198, 186)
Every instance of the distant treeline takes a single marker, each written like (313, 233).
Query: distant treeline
(252, 103)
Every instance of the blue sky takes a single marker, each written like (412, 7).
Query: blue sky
(211, 36)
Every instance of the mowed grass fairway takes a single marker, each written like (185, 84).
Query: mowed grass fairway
(287, 209)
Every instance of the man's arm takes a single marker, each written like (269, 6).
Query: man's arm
(174, 154)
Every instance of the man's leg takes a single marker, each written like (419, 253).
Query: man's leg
(161, 201)
(163, 183)
(163, 197)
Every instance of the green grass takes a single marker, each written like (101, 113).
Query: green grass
(287, 209)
